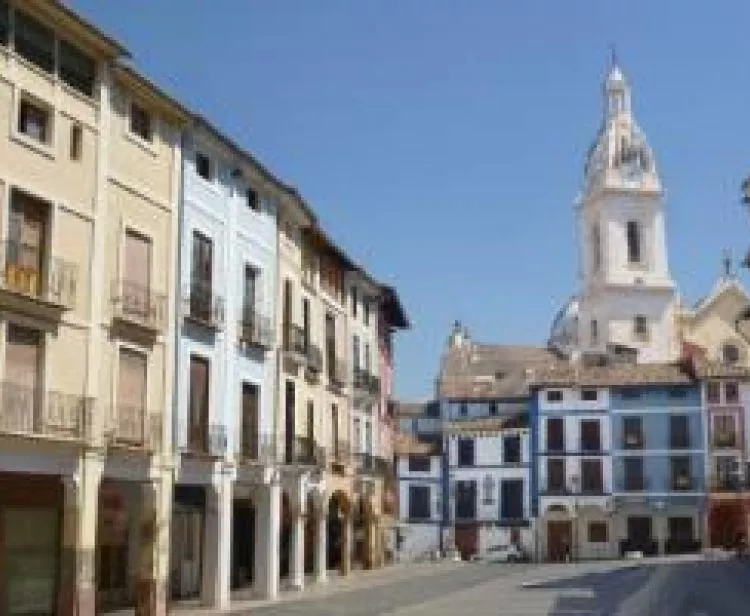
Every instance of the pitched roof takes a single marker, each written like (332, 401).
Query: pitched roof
(489, 371)
(481, 425)
(716, 370)
(562, 374)
(410, 409)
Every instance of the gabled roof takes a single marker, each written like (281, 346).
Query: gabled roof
(725, 284)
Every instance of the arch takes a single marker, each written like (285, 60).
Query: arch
(339, 509)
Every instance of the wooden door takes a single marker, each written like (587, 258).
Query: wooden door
(467, 539)
(559, 539)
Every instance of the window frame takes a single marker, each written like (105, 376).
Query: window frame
(426, 496)
(634, 242)
(145, 113)
(554, 395)
(200, 157)
(734, 387)
(602, 534)
(46, 147)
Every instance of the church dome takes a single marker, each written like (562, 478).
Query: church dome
(563, 336)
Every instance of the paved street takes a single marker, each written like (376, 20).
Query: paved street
(681, 587)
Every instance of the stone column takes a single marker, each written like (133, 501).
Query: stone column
(321, 547)
(267, 530)
(297, 540)
(217, 549)
(346, 544)
(153, 547)
(78, 558)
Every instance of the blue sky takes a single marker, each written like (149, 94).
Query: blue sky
(442, 142)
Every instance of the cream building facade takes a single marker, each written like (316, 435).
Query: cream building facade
(90, 189)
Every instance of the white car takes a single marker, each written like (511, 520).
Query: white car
(504, 554)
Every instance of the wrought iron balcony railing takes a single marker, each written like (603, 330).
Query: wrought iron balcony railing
(314, 358)
(208, 440)
(682, 483)
(632, 441)
(360, 379)
(26, 270)
(256, 330)
(294, 340)
(304, 451)
(31, 411)
(258, 448)
(726, 482)
(136, 303)
(136, 427)
(203, 306)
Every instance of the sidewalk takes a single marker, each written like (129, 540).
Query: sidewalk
(335, 585)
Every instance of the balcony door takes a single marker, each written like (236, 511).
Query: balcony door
(249, 296)
(511, 499)
(131, 396)
(331, 345)
(198, 403)
(136, 275)
(26, 248)
(201, 277)
(250, 398)
(290, 402)
(21, 403)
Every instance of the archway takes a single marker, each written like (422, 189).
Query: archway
(311, 526)
(285, 536)
(338, 513)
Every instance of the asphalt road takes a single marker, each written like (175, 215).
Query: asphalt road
(694, 587)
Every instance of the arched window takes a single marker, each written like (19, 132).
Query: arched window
(634, 241)
(730, 353)
(596, 246)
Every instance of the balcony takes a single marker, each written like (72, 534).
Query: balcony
(632, 440)
(724, 440)
(35, 284)
(29, 411)
(373, 385)
(337, 373)
(364, 463)
(682, 483)
(255, 330)
(208, 441)
(314, 364)
(340, 457)
(136, 428)
(727, 482)
(304, 451)
(136, 304)
(295, 343)
(360, 379)
(258, 448)
(202, 306)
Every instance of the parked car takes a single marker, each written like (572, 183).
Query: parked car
(505, 554)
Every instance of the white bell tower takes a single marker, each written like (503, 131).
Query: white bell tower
(627, 295)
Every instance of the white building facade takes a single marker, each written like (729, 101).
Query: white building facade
(224, 424)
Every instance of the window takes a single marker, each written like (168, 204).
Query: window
(594, 331)
(511, 499)
(731, 392)
(201, 277)
(198, 403)
(590, 435)
(357, 435)
(335, 429)
(76, 142)
(4, 22)
(353, 293)
(634, 242)
(554, 395)
(730, 353)
(368, 360)
(136, 274)
(355, 352)
(34, 41)
(680, 473)
(463, 409)
(466, 500)
(488, 487)
(679, 432)
(252, 199)
(597, 532)
(589, 395)
(366, 313)
(640, 328)
(331, 345)
(511, 450)
(419, 502)
(419, 464)
(555, 434)
(306, 321)
(724, 434)
(633, 468)
(250, 406)
(203, 165)
(713, 392)
(677, 392)
(466, 452)
(596, 246)
(632, 433)
(286, 314)
(310, 422)
(24, 354)
(591, 476)
(141, 122)
(631, 394)
(555, 475)
(493, 408)
(35, 120)
(26, 251)
(249, 293)
(76, 68)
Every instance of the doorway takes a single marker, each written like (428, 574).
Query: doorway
(559, 539)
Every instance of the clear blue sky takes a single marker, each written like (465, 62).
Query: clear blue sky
(442, 142)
